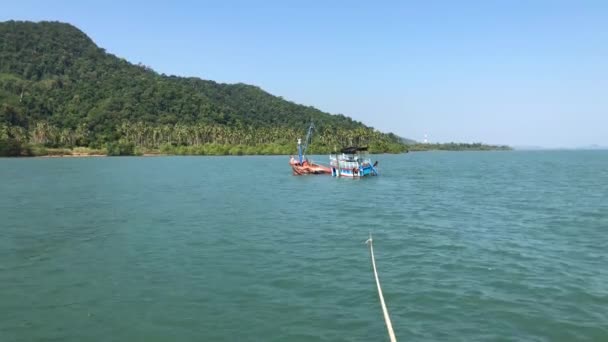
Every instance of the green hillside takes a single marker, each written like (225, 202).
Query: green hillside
(59, 90)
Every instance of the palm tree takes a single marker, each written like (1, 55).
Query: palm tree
(66, 137)
(156, 135)
(40, 133)
(4, 131)
(81, 134)
(18, 133)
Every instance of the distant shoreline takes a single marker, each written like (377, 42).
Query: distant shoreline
(73, 156)
(218, 150)
(99, 155)
(250, 155)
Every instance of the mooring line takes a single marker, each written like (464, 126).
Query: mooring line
(387, 319)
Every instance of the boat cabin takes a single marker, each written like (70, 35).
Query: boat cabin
(352, 162)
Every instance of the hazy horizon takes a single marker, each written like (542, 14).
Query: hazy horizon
(502, 73)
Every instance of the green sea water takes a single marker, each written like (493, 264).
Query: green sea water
(470, 246)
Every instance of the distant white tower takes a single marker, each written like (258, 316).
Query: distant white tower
(426, 140)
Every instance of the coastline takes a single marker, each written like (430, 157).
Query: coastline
(86, 152)
(78, 155)
(98, 155)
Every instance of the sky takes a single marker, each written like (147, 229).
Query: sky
(522, 73)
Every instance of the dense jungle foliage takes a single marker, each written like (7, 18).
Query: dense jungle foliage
(59, 90)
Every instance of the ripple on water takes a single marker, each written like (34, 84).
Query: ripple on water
(469, 246)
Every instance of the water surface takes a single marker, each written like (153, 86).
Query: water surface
(470, 246)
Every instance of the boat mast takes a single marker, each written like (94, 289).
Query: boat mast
(302, 148)
(308, 139)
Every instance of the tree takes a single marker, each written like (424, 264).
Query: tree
(58, 89)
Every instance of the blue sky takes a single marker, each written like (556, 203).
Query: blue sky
(511, 72)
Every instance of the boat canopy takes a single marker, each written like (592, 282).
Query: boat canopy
(353, 149)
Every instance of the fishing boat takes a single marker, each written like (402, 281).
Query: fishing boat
(352, 162)
(302, 166)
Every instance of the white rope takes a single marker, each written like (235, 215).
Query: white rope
(387, 319)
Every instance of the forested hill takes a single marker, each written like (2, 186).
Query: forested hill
(58, 89)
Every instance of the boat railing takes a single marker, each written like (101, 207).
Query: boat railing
(349, 161)
(349, 165)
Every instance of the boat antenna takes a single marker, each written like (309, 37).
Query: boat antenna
(387, 319)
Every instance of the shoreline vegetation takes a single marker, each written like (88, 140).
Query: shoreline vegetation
(208, 150)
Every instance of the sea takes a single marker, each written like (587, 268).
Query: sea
(469, 246)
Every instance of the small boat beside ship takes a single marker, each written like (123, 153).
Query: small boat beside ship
(302, 166)
(306, 167)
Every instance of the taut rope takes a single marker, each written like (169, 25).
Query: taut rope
(387, 319)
